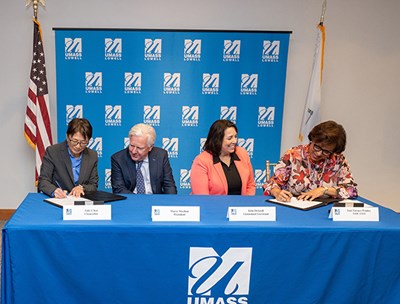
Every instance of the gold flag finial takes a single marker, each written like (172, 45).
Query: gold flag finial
(321, 20)
(35, 5)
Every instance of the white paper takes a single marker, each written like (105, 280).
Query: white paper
(294, 202)
(68, 201)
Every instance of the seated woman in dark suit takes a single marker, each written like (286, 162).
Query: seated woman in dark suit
(70, 166)
(222, 168)
(316, 169)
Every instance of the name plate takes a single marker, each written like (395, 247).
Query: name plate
(366, 213)
(252, 214)
(175, 213)
(87, 212)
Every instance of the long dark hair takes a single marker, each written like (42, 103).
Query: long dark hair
(216, 134)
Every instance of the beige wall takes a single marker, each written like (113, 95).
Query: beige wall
(360, 88)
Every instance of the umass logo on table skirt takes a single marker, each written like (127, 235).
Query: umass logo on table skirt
(215, 279)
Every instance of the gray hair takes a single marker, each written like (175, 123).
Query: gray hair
(141, 130)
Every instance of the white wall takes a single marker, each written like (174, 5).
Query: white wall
(360, 88)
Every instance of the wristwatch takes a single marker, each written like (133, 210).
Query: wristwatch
(326, 190)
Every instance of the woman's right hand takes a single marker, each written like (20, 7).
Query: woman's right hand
(281, 195)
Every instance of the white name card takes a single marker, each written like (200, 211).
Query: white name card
(175, 213)
(252, 214)
(358, 214)
(87, 212)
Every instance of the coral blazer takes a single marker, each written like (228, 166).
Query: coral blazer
(209, 178)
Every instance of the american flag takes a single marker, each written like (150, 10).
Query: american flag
(37, 126)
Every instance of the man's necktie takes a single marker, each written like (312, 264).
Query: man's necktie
(140, 189)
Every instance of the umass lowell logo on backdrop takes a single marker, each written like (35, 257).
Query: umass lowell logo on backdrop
(259, 177)
(93, 82)
(152, 115)
(202, 142)
(210, 84)
(107, 178)
(190, 116)
(266, 117)
(133, 83)
(270, 51)
(215, 279)
(172, 83)
(73, 48)
(113, 115)
(96, 144)
(231, 50)
(247, 144)
(228, 113)
(73, 112)
(184, 180)
(152, 49)
(172, 146)
(113, 49)
(249, 84)
(192, 50)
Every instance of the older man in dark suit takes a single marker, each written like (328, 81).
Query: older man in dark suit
(142, 168)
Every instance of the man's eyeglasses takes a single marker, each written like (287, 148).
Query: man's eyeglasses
(324, 152)
(75, 142)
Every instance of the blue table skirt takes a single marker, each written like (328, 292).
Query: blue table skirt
(303, 257)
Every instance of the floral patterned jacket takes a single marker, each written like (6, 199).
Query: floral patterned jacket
(296, 173)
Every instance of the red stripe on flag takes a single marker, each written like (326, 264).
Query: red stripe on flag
(46, 117)
(31, 115)
(30, 135)
(40, 146)
(32, 95)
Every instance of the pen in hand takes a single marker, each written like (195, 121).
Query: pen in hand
(284, 196)
(59, 192)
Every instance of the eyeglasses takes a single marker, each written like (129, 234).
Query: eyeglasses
(319, 149)
(75, 142)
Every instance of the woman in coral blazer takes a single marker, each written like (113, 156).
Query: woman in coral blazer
(222, 168)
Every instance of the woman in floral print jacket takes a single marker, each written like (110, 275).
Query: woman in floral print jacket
(318, 169)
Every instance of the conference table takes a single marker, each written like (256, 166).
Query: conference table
(302, 257)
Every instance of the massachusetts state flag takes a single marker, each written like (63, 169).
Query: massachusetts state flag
(311, 116)
(37, 126)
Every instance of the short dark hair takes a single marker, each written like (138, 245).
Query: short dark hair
(81, 125)
(216, 134)
(329, 133)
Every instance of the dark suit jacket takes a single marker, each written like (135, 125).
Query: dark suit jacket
(57, 168)
(123, 172)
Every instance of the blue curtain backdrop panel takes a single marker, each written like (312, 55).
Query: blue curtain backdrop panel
(179, 82)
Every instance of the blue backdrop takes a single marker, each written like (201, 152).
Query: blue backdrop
(180, 82)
